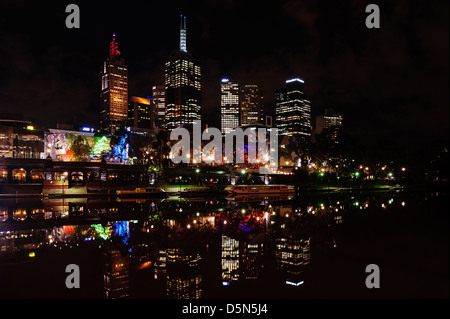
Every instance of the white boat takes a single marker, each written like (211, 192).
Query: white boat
(260, 189)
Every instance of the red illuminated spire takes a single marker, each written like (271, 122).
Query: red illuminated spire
(113, 46)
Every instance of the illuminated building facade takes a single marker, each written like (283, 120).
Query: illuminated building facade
(182, 87)
(116, 273)
(159, 97)
(292, 255)
(330, 121)
(184, 280)
(59, 143)
(293, 110)
(141, 113)
(230, 260)
(251, 104)
(20, 139)
(114, 94)
(229, 106)
(241, 260)
(251, 259)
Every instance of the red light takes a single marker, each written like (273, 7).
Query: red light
(211, 202)
(211, 180)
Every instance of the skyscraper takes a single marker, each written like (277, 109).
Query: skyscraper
(332, 122)
(114, 94)
(293, 110)
(159, 97)
(229, 106)
(183, 86)
(251, 104)
(141, 113)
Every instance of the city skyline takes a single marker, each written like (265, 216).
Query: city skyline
(356, 78)
(261, 152)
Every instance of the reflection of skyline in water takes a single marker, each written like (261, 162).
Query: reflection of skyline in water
(180, 246)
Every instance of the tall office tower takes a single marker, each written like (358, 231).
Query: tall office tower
(293, 110)
(159, 97)
(183, 86)
(332, 122)
(116, 272)
(114, 94)
(229, 106)
(251, 255)
(230, 260)
(251, 104)
(292, 255)
(141, 113)
(183, 277)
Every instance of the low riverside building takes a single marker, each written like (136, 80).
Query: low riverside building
(20, 139)
(47, 177)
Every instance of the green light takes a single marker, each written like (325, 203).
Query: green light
(357, 174)
(243, 171)
(197, 170)
(390, 174)
(356, 203)
(322, 174)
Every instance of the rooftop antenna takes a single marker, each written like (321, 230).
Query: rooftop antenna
(183, 34)
(114, 46)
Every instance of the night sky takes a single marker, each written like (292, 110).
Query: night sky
(389, 83)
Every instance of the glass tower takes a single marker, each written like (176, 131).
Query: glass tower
(251, 104)
(159, 97)
(293, 110)
(182, 86)
(229, 106)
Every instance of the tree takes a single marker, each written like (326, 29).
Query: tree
(80, 149)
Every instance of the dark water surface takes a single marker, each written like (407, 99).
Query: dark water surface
(316, 245)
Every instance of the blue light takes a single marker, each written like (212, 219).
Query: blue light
(86, 129)
(225, 283)
(225, 80)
